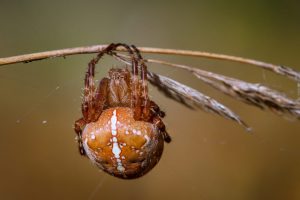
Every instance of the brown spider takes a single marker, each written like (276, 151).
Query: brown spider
(121, 130)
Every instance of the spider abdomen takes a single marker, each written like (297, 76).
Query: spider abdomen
(121, 146)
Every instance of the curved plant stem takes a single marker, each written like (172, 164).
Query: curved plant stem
(285, 71)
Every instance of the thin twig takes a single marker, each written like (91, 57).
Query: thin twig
(285, 71)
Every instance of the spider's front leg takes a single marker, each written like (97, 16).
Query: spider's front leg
(79, 124)
(144, 102)
(94, 98)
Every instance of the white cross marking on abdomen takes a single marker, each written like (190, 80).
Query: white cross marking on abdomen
(116, 149)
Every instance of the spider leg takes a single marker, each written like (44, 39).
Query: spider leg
(108, 50)
(92, 99)
(143, 73)
(87, 105)
(157, 115)
(79, 124)
(137, 101)
(146, 101)
(157, 110)
(162, 128)
(100, 98)
(133, 59)
(144, 86)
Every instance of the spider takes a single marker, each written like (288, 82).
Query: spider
(121, 130)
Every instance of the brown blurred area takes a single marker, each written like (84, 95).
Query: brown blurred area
(209, 158)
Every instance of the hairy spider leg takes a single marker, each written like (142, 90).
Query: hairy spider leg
(157, 114)
(133, 59)
(156, 109)
(143, 72)
(89, 98)
(144, 86)
(87, 105)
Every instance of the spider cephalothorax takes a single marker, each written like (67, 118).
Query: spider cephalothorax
(121, 130)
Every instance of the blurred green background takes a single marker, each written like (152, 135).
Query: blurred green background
(210, 158)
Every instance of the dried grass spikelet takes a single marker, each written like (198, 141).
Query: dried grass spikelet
(179, 92)
(252, 93)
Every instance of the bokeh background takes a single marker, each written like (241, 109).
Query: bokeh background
(210, 158)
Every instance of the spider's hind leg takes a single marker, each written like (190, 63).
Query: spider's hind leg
(157, 110)
(162, 129)
(79, 124)
(157, 114)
